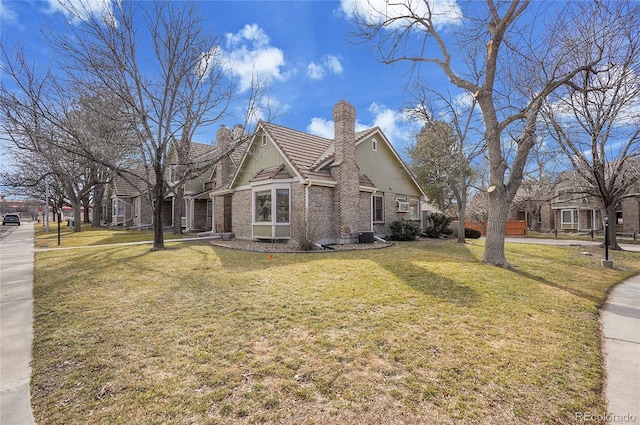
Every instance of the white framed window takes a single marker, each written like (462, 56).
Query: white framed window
(173, 174)
(136, 207)
(402, 205)
(266, 211)
(377, 205)
(263, 140)
(118, 208)
(262, 202)
(282, 205)
(414, 209)
(374, 144)
(569, 216)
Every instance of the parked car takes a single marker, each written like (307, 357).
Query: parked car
(11, 219)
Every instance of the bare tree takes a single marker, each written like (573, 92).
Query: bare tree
(595, 118)
(519, 70)
(443, 154)
(100, 131)
(538, 187)
(54, 126)
(158, 60)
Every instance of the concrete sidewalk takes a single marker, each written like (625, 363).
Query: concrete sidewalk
(621, 340)
(16, 325)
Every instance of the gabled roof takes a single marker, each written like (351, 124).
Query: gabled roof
(328, 155)
(131, 184)
(309, 155)
(272, 173)
(300, 149)
(199, 149)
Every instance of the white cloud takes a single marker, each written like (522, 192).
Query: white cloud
(331, 63)
(315, 71)
(6, 14)
(321, 127)
(82, 10)
(267, 108)
(399, 128)
(250, 33)
(443, 12)
(249, 56)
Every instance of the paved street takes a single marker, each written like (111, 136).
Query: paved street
(16, 323)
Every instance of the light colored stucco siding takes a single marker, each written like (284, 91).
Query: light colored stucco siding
(258, 158)
(383, 169)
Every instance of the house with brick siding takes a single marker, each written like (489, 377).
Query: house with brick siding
(288, 182)
(568, 207)
(128, 193)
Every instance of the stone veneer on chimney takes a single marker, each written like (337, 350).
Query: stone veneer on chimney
(345, 171)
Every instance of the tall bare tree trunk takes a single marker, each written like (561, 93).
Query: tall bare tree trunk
(98, 197)
(610, 211)
(462, 210)
(495, 233)
(158, 196)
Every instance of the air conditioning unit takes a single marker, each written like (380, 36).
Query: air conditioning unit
(402, 205)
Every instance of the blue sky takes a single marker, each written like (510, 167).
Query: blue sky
(303, 47)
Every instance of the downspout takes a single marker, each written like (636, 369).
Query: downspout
(371, 209)
(306, 205)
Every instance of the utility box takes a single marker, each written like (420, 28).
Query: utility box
(365, 237)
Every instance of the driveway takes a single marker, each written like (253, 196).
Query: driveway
(16, 324)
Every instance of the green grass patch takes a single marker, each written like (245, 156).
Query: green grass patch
(422, 332)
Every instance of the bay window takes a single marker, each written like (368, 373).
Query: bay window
(272, 211)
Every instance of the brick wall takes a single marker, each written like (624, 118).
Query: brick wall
(200, 221)
(631, 215)
(242, 214)
(321, 212)
(364, 215)
(218, 213)
(345, 171)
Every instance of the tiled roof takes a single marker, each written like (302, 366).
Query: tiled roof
(307, 152)
(200, 149)
(365, 181)
(272, 173)
(301, 149)
(329, 153)
(132, 184)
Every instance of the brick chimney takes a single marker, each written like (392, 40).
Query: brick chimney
(224, 137)
(345, 171)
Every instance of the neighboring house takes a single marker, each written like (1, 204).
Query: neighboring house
(128, 207)
(199, 205)
(128, 204)
(289, 182)
(570, 209)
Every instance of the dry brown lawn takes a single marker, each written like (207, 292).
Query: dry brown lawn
(419, 333)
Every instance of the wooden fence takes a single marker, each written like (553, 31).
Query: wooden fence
(514, 227)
